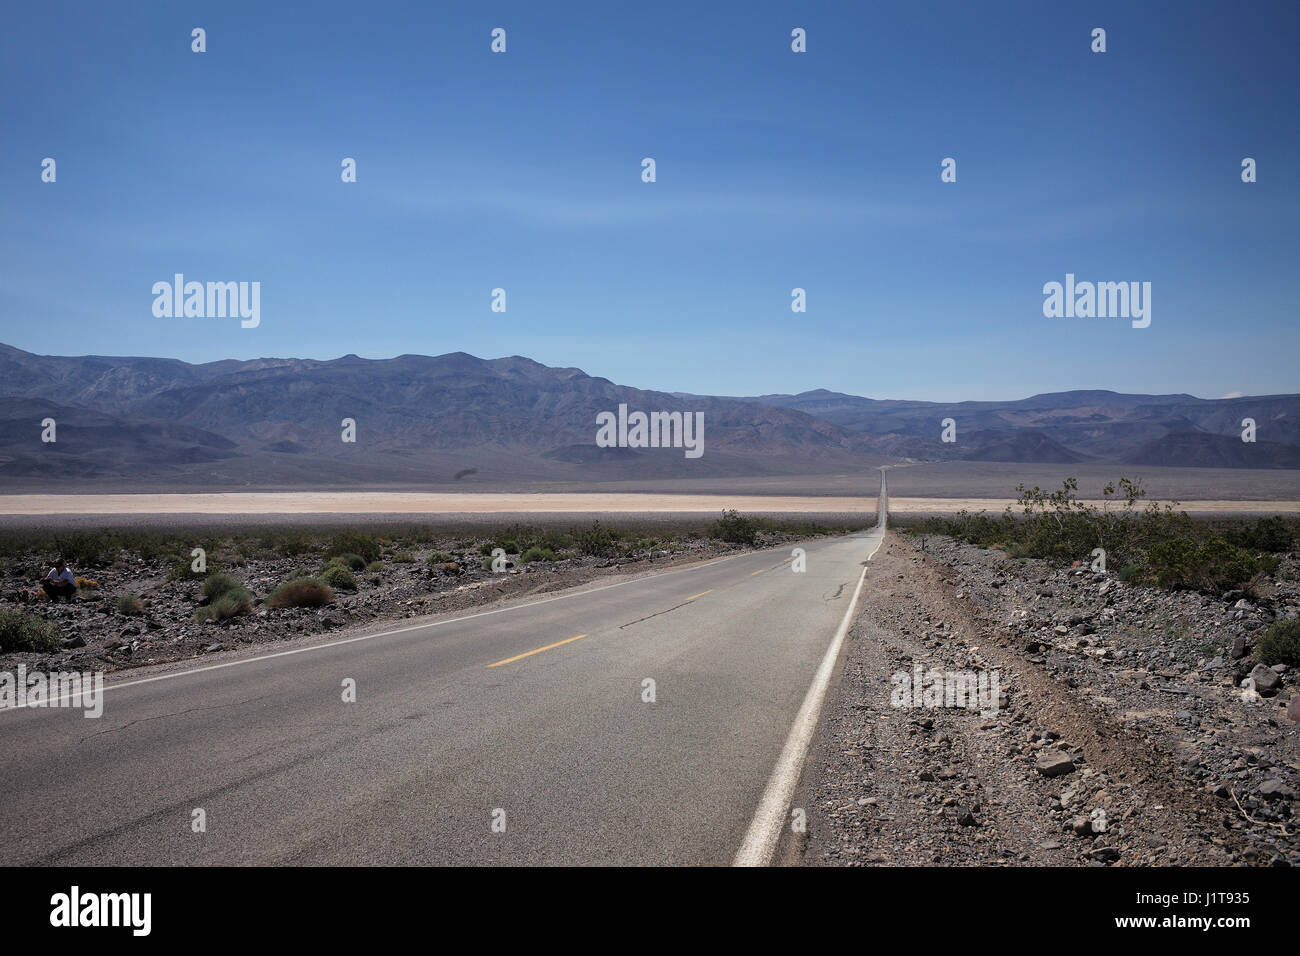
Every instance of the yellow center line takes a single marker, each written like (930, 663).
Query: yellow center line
(701, 594)
(518, 657)
(759, 571)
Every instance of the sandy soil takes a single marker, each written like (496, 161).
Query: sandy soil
(246, 503)
(414, 503)
(908, 506)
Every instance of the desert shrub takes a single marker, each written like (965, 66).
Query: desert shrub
(597, 541)
(215, 585)
(353, 562)
(734, 528)
(238, 601)
(297, 573)
(149, 548)
(977, 528)
(288, 543)
(84, 547)
(1271, 534)
(1170, 562)
(451, 567)
(337, 576)
(87, 584)
(1147, 542)
(1280, 644)
(374, 566)
(130, 604)
(537, 554)
(231, 603)
(441, 557)
(1214, 565)
(403, 557)
(22, 632)
(355, 544)
(181, 568)
(300, 592)
(509, 546)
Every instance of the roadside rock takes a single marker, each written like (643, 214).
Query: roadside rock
(1267, 681)
(1054, 764)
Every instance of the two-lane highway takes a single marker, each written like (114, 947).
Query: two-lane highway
(522, 735)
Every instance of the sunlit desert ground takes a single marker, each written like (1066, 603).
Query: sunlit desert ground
(415, 503)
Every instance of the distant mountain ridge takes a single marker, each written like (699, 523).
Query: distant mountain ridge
(450, 417)
(1092, 424)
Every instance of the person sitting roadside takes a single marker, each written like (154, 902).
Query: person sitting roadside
(60, 582)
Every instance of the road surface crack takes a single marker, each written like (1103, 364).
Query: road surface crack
(655, 614)
(181, 713)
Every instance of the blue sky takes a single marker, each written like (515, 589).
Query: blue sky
(775, 170)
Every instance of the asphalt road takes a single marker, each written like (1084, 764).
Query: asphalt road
(530, 716)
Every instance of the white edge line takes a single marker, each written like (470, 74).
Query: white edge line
(765, 829)
(401, 630)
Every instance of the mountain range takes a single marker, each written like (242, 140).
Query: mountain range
(456, 418)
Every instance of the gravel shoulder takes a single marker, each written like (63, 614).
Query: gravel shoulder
(1121, 734)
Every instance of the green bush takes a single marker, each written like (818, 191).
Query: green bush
(354, 544)
(231, 603)
(353, 562)
(1280, 644)
(85, 547)
(300, 592)
(337, 576)
(288, 543)
(735, 528)
(22, 632)
(509, 546)
(1214, 565)
(537, 554)
(130, 604)
(442, 557)
(403, 557)
(181, 568)
(1271, 534)
(215, 585)
(1150, 545)
(597, 541)
(374, 566)
(297, 573)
